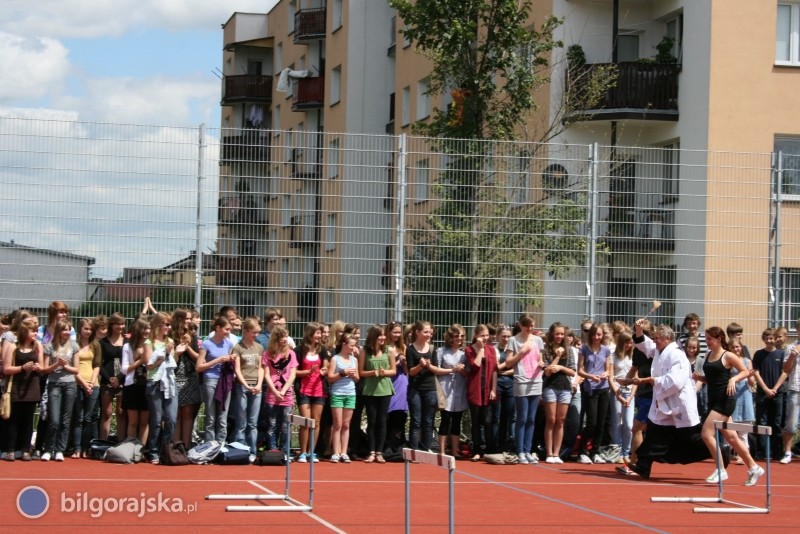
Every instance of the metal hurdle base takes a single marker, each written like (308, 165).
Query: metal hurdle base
(440, 460)
(733, 507)
(293, 504)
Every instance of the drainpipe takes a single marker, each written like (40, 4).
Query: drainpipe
(614, 30)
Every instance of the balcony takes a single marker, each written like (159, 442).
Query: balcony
(246, 88)
(308, 93)
(640, 230)
(302, 230)
(309, 25)
(647, 91)
(251, 147)
(242, 271)
(241, 209)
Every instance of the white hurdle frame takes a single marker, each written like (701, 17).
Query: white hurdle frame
(439, 460)
(294, 505)
(737, 507)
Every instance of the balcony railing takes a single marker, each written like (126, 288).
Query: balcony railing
(246, 88)
(640, 229)
(241, 209)
(308, 93)
(242, 271)
(302, 231)
(642, 91)
(251, 147)
(309, 24)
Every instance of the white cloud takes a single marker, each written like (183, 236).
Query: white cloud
(96, 18)
(31, 67)
(156, 100)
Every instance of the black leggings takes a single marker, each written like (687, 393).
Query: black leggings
(595, 405)
(19, 427)
(377, 412)
(450, 425)
(481, 417)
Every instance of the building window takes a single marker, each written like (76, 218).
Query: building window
(288, 145)
(336, 85)
(276, 120)
(333, 159)
(422, 175)
(337, 14)
(790, 297)
(287, 210)
(273, 245)
(327, 306)
(406, 39)
(675, 31)
(787, 39)
(279, 58)
(789, 147)
(406, 115)
(627, 47)
(284, 274)
(423, 100)
(671, 166)
(330, 232)
(292, 10)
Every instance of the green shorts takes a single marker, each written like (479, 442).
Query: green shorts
(343, 401)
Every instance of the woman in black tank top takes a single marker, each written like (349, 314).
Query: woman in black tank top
(721, 380)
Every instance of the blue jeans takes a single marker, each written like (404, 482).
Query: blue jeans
(421, 409)
(503, 417)
(60, 402)
(277, 426)
(161, 409)
(769, 412)
(216, 414)
(246, 416)
(526, 416)
(82, 415)
(622, 423)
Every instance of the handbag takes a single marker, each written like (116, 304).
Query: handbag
(5, 406)
(441, 399)
(174, 453)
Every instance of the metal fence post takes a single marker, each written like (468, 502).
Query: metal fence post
(775, 242)
(198, 254)
(593, 198)
(400, 257)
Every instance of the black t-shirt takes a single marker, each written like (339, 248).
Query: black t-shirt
(424, 380)
(769, 365)
(643, 364)
(110, 354)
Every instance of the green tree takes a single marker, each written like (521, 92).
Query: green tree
(489, 224)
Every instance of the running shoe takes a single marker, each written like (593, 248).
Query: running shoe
(551, 460)
(753, 475)
(598, 459)
(787, 458)
(303, 458)
(521, 459)
(624, 470)
(583, 459)
(59, 457)
(335, 458)
(46, 457)
(314, 458)
(714, 477)
(532, 458)
(345, 458)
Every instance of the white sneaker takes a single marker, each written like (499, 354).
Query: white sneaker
(335, 458)
(303, 458)
(345, 458)
(46, 457)
(59, 457)
(583, 459)
(252, 458)
(557, 460)
(598, 459)
(521, 459)
(714, 477)
(532, 458)
(787, 458)
(550, 460)
(753, 475)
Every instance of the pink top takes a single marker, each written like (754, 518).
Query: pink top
(279, 370)
(311, 384)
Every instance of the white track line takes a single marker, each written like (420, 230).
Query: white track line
(312, 515)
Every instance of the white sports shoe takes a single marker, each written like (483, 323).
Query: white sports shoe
(557, 460)
(59, 457)
(714, 477)
(550, 460)
(753, 475)
(583, 459)
(599, 459)
(46, 457)
(787, 458)
(532, 458)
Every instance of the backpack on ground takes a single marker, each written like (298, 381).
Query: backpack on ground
(98, 448)
(273, 457)
(502, 458)
(174, 453)
(234, 454)
(127, 452)
(205, 452)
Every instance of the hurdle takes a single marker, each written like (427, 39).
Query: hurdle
(735, 507)
(431, 458)
(293, 504)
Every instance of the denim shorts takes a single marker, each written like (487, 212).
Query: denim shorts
(343, 401)
(561, 396)
(302, 398)
(792, 412)
(642, 405)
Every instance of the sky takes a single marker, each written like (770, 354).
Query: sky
(121, 61)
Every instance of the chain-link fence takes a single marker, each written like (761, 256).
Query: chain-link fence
(370, 228)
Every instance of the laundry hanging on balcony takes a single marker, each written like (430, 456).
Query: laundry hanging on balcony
(256, 116)
(283, 78)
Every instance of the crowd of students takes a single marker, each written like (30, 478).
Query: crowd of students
(550, 396)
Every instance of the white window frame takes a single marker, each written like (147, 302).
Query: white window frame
(338, 15)
(422, 181)
(787, 168)
(333, 159)
(423, 100)
(790, 308)
(278, 58)
(291, 9)
(794, 35)
(405, 114)
(336, 85)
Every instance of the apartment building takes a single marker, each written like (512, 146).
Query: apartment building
(303, 219)
(700, 236)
